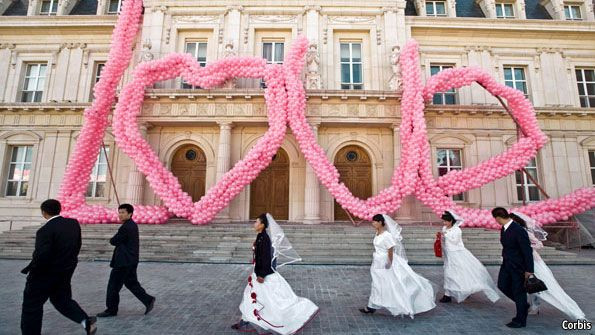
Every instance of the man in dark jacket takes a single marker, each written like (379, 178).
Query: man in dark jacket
(57, 245)
(124, 263)
(517, 264)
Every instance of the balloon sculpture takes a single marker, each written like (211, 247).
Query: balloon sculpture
(286, 106)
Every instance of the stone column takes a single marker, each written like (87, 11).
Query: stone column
(224, 159)
(312, 192)
(136, 180)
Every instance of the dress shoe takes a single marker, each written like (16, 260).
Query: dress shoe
(445, 299)
(367, 310)
(106, 314)
(150, 306)
(514, 325)
(90, 326)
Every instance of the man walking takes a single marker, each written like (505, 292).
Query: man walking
(124, 263)
(57, 245)
(517, 264)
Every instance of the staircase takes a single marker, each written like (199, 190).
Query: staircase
(333, 243)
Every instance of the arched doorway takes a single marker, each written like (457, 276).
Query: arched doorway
(269, 192)
(189, 164)
(355, 168)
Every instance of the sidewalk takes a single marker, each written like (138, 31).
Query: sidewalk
(204, 299)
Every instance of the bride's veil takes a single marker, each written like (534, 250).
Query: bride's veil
(458, 219)
(395, 230)
(532, 227)
(283, 252)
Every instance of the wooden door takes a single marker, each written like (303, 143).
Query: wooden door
(189, 164)
(355, 168)
(269, 192)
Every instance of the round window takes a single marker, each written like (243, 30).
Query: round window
(190, 155)
(351, 156)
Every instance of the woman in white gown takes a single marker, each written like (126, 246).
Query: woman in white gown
(464, 274)
(554, 295)
(268, 301)
(395, 286)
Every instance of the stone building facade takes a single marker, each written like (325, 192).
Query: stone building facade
(52, 53)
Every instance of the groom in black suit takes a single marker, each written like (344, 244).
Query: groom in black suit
(517, 264)
(124, 263)
(57, 245)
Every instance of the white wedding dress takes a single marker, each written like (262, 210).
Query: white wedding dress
(272, 305)
(464, 274)
(399, 289)
(554, 295)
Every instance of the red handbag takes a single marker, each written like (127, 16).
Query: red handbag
(438, 245)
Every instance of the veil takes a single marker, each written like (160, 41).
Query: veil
(532, 227)
(458, 219)
(395, 230)
(283, 252)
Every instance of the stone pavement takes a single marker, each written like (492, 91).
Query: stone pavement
(203, 299)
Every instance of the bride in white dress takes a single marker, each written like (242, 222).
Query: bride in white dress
(268, 301)
(395, 286)
(554, 295)
(464, 274)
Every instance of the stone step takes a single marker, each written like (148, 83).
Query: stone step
(231, 243)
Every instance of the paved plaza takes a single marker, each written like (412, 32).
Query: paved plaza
(204, 298)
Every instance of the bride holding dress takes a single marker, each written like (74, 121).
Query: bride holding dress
(395, 286)
(463, 273)
(268, 301)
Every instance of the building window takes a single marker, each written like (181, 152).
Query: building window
(526, 185)
(19, 171)
(274, 53)
(198, 50)
(573, 12)
(97, 184)
(96, 76)
(351, 66)
(448, 160)
(435, 8)
(443, 98)
(114, 6)
(49, 7)
(592, 165)
(515, 77)
(504, 10)
(34, 82)
(585, 79)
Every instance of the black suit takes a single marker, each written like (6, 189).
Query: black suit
(124, 263)
(517, 258)
(57, 245)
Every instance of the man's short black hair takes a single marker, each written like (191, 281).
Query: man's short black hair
(127, 207)
(500, 212)
(51, 207)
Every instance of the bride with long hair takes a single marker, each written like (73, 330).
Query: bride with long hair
(268, 301)
(554, 295)
(395, 286)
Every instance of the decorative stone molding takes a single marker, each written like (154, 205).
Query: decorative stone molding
(488, 8)
(272, 19)
(162, 9)
(351, 19)
(196, 19)
(308, 8)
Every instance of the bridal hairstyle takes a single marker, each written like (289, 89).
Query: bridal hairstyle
(263, 218)
(379, 218)
(518, 220)
(446, 216)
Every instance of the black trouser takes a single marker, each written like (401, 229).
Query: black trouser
(512, 284)
(127, 277)
(38, 289)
